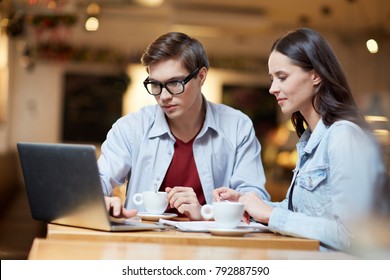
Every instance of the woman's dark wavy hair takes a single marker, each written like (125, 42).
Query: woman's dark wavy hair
(333, 100)
(173, 45)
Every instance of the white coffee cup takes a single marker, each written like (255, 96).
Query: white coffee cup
(154, 202)
(225, 214)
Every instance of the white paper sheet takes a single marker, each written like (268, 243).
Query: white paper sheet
(204, 226)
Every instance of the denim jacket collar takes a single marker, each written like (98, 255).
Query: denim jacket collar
(310, 140)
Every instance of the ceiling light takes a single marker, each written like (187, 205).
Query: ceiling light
(372, 46)
(150, 3)
(93, 9)
(92, 24)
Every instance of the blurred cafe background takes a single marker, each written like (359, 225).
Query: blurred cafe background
(69, 69)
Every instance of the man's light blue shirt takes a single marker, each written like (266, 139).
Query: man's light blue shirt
(140, 144)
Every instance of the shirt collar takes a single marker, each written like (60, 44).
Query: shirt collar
(310, 140)
(161, 126)
(209, 121)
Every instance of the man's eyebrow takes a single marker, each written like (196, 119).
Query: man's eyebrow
(181, 77)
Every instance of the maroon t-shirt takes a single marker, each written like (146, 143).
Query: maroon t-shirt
(182, 172)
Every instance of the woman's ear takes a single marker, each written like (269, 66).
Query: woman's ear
(316, 78)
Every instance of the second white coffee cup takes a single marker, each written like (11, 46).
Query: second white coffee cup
(225, 214)
(153, 202)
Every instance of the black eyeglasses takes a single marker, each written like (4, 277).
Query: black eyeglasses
(174, 87)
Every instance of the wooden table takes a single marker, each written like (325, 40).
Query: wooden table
(252, 240)
(65, 249)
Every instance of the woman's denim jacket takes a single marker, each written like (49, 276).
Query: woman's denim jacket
(334, 180)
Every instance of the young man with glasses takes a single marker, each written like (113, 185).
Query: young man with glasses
(184, 145)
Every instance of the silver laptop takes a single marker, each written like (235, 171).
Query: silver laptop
(63, 187)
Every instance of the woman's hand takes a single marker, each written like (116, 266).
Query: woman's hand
(225, 193)
(256, 207)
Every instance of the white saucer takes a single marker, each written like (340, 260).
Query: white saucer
(156, 217)
(229, 231)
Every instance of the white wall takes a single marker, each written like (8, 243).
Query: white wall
(4, 81)
(35, 102)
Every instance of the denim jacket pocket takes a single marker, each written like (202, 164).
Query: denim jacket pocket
(312, 179)
(313, 190)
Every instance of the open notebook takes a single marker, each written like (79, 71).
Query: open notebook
(63, 187)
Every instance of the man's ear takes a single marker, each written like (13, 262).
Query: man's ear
(202, 74)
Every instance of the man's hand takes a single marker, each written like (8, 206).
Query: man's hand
(184, 199)
(115, 208)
